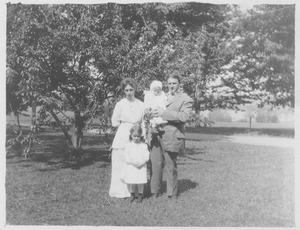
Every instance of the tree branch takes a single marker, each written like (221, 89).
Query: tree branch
(69, 99)
(69, 141)
(145, 22)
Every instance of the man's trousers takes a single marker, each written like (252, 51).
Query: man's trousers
(163, 160)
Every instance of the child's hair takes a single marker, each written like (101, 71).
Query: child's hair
(136, 129)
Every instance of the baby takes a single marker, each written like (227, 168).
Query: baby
(155, 98)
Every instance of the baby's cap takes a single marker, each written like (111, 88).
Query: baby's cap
(155, 83)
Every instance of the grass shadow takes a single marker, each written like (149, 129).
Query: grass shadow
(192, 154)
(183, 186)
(95, 139)
(92, 156)
(59, 161)
(201, 137)
(54, 152)
(277, 132)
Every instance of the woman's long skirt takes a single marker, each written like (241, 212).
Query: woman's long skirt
(118, 188)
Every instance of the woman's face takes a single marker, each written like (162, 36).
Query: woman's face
(129, 92)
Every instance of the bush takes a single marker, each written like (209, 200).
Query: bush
(220, 116)
(263, 118)
(197, 120)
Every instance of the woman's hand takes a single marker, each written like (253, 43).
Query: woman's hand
(147, 115)
(139, 165)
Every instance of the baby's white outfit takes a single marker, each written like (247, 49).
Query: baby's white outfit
(153, 101)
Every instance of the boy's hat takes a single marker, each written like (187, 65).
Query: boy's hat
(155, 84)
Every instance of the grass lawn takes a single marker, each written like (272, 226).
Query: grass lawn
(239, 128)
(221, 184)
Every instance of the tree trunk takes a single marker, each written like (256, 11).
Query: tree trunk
(74, 140)
(19, 127)
(27, 151)
(33, 114)
(61, 127)
(196, 105)
(77, 135)
(197, 94)
(18, 122)
(16, 113)
(76, 131)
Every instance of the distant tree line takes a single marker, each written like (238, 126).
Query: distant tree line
(262, 116)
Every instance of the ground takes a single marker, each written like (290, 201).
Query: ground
(223, 182)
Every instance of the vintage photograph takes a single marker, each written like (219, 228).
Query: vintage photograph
(150, 114)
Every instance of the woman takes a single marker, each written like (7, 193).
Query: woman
(128, 112)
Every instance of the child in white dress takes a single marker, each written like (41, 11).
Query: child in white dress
(136, 157)
(155, 98)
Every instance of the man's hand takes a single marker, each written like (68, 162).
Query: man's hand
(157, 112)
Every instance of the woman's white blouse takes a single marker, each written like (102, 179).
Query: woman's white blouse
(126, 114)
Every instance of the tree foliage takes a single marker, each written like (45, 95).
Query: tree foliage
(73, 57)
(260, 56)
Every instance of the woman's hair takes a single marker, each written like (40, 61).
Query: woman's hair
(136, 129)
(128, 81)
(175, 75)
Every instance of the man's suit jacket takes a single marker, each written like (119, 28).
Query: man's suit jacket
(177, 113)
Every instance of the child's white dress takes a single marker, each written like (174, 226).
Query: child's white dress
(136, 154)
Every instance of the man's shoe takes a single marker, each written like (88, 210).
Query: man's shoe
(155, 195)
(174, 197)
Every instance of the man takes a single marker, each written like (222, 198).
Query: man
(166, 146)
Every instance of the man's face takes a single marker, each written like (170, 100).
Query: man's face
(173, 85)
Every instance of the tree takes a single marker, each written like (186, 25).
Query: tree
(14, 105)
(260, 65)
(14, 102)
(50, 46)
(72, 57)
